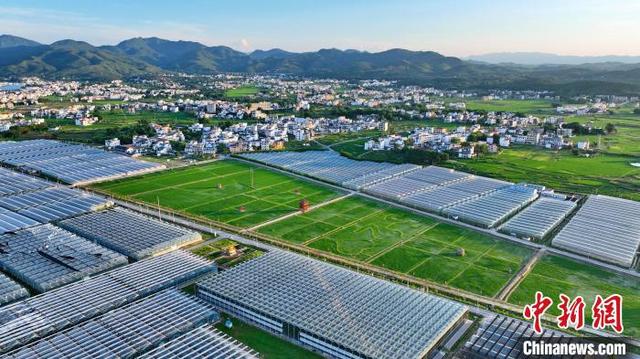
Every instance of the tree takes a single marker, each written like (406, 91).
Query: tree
(636, 111)
(610, 128)
(482, 149)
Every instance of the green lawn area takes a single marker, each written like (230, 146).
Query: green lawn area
(405, 242)
(605, 173)
(218, 190)
(534, 107)
(553, 275)
(341, 137)
(118, 118)
(242, 91)
(266, 344)
(624, 141)
(113, 120)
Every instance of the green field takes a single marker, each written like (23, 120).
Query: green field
(605, 173)
(242, 91)
(624, 141)
(405, 242)
(118, 118)
(553, 275)
(534, 107)
(218, 190)
(268, 345)
(114, 120)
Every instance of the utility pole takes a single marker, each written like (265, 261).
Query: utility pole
(159, 216)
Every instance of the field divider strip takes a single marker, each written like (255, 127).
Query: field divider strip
(515, 281)
(296, 213)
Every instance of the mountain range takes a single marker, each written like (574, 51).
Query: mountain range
(148, 56)
(543, 58)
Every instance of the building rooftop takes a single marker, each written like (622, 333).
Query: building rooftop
(363, 314)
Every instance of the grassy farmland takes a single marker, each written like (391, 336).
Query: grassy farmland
(222, 191)
(534, 107)
(406, 243)
(610, 174)
(554, 275)
(242, 91)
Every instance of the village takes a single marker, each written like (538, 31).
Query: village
(282, 110)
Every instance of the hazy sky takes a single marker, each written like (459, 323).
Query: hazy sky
(454, 27)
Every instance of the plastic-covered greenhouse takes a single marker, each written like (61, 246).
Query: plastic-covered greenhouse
(127, 331)
(53, 203)
(134, 235)
(36, 317)
(297, 296)
(14, 183)
(72, 163)
(204, 342)
(47, 257)
(10, 291)
(488, 211)
(540, 218)
(606, 228)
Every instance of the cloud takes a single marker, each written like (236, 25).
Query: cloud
(58, 25)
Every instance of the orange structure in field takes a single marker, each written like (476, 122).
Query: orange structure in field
(304, 206)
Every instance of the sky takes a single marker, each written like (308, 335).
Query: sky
(454, 27)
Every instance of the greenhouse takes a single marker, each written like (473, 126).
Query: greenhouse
(279, 291)
(15, 183)
(380, 176)
(499, 337)
(134, 235)
(438, 175)
(398, 188)
(605, 228)
(539, 219)
(47, 257)
(127, 331)
(72, 163)
(204, 342)
(58, 309)
(10, 291)
(442, 197)
(11, 221)
(489, 210)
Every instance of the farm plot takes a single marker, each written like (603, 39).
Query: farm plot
(553, 275)
(405, 242)
(225, 191)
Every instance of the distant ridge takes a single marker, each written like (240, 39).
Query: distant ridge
(13, 41)
(150, 56)
(542, 58)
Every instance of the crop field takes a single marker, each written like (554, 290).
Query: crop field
(224, 191)
(121, 118)
(553, 275)
(405, 242)
(623, 141)
(242, 91)
(605, 173)
(524, 106)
